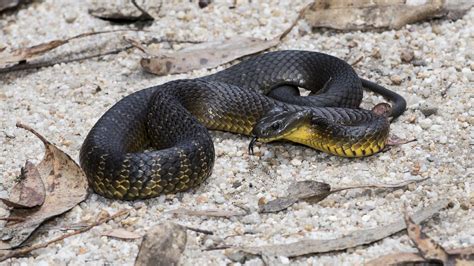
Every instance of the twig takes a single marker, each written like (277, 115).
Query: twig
(211, 213)
(145, 15)
(203, 231)
(298, 18)
(27, 66)
(54, 62)
(398, 185)
(12, 219)
(445, 91)
(357, 60)
(26, 250)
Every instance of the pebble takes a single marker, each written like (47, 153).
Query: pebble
(419, 61)
(396, 79)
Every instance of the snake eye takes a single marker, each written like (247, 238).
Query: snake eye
(276, 125)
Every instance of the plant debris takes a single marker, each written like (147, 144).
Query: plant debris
(8, 4)
(314, 191)
(65, 185)
(121, 234)
(429, 251)
(381, 14)
(24, 251)
(29, 191)
(354, 239)
(126, 11)
(162, 245)
(23, 55)
(209, 54)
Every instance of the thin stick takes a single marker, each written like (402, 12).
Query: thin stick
(27, 66)
(199, 230)
(298, 18)
(26, 250)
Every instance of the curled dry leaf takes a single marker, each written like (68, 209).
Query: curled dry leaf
(354, 239)
(162, 245)
(121, 233)
(65, 185)
(314, 191)
(29, 191)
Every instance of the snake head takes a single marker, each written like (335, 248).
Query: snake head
(279, 123)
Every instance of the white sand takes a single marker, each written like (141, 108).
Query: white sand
(62, 102)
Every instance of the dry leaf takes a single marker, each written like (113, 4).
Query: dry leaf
(373, 14)
(126, 10)
(7, 4)
(65, 186)
(276, 205)
(354, 239)
(314, 191)
(210, 54)
(23, 54)
(215, 54)
(121, 233)
(29, 191)
(430, 251)
(162, 245)
(428, 248)
(28, 249)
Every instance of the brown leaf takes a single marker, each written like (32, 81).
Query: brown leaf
(65, 186)
(206, 55)
(23, 54)
(162, 245)
(277, 205)
(309, 190)
(373, 14)
(314, 191)
(429, 249)
(29, 191)
(354, 239)
(121, 233)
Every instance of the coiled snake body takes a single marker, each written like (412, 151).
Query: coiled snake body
(156, 140)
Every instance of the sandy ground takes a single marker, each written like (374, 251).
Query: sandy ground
(64, 101)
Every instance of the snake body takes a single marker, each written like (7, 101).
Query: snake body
(156, 140)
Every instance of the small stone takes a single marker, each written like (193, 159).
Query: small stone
(407, 56)
(396, 79)
(296, 162)
(428, 110)
(70, 17)
(443, 139)
(201, 199)
(425, 123)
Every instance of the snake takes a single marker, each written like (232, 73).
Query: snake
(157, 140)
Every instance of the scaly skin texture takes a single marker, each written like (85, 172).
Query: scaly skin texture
(157, 141)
